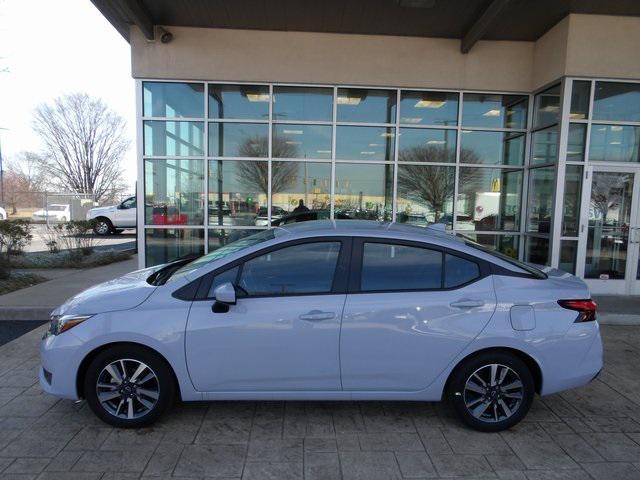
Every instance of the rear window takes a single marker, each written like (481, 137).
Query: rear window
(534, 272)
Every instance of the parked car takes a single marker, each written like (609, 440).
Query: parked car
(56, 212)
(307, 216)
(262, 220)
(3, 214)
(327, 310)
(112, 219)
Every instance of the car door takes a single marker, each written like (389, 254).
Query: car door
(410, 310)
(283, 333)
(126, 213)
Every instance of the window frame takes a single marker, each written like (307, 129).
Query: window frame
(357, 256)
(340, 276)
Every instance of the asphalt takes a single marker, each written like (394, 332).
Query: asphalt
(12, 329)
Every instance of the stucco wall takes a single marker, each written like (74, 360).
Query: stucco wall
(580, 45)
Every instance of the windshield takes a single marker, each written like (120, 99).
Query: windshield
(57, 208)
(527, 268)
(224, 251)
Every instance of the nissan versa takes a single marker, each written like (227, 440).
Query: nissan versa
(327, 310)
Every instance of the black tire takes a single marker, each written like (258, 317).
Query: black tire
(494, 418)
(102, 226)
(164, 381)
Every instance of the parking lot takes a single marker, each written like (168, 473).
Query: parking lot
(593, 432)
(122, 241)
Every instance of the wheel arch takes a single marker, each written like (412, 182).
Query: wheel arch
(86, 361)
(530, 362)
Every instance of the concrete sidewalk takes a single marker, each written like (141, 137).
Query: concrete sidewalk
(36, 303)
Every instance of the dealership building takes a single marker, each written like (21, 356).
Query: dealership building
(514, 123)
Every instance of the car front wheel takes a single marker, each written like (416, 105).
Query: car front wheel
(129, 387)
(102, 227)
(492, 391)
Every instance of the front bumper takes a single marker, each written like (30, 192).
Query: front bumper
(60, 359)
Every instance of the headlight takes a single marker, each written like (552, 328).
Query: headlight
(62, 323)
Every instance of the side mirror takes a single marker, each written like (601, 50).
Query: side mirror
(225, 295)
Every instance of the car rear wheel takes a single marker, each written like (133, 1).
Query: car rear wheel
(492, 391)
(129, 387)
(102, 227)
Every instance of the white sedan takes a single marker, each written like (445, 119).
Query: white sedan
(56, 212)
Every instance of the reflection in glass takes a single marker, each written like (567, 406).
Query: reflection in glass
(540, 201)
(239, 101)
(173, 99)
(494, 111)
(608, 230)
(617, 101)
(546, 109)
(536, 250)
(498, 148)
(580, 99)
(164, 245)
(427, 145)
(219, 237)
(238, 139)
(296, 181)
(301, 141)
(362, 105)
(507, 244)
(365, 143)
(364, 191)
(425, 194)
(572, 199)
(173, 192)
(576, 142)
(429, 108)
(544, 146)
(488, 199)
(614, 143)
(568, 255)
(303, 103)
(237, 191)
(179, 139)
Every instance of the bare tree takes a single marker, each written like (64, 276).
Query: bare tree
(84, 142)
(24, 180)
(255, 175)
(607, 193)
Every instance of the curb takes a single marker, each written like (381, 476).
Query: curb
(25, 313)
(618, 319)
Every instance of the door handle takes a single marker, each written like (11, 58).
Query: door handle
(467, 303)
(316, 316)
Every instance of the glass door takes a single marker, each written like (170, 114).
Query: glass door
(609, 230)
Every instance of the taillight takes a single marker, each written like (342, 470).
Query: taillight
(586, 308)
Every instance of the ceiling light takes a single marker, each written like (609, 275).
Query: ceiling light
(616, 128)
(410, 120)
(615, 143)
(349, 100)
(258, 97)
(292, 132)
(387, 134)
(375, 144)
(436, 142)
(367, 153)
(578, 116)
(323, 151)
(550, 108)
(491, 113)
(293, 143)
(430, 103)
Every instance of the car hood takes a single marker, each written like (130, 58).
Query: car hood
(122, 293)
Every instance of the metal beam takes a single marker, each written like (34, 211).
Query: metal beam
(482, 24)
(138, 15)
(114, 16)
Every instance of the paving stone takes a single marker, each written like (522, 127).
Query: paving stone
(321, 466)
(415, 465)
(391, 442)
(112, 461)
(211, 460)
(272, 471)
(612, 424)
(388, 424)
(38, 443)
(164, 459)
(322, 445)
(70, 476)
(614, 447)
(556, 475)
(434, 441)
(505, 463)
(577, 448)
(345, 423)
(462, 465)
(536, 448)
(277, 450)
(132, 439)
(89, 438)
(5, 462)
(230, 431)
(348, 443)
(28, 406)
(607, 471)
(369, 466)
(64, 461)
(470, 442)
(27, 465)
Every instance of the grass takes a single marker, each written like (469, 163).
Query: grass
(16, 281)
(65, 260)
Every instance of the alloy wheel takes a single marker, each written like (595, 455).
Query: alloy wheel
(128, 389)
(102, 228)
(493, 393)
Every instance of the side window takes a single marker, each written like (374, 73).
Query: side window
(298, 269)
(129, 203)
(458, 271)
(399, 267)
(223, 277)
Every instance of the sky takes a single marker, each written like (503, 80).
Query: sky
(53, 47)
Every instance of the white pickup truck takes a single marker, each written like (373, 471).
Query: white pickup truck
(113, 219)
